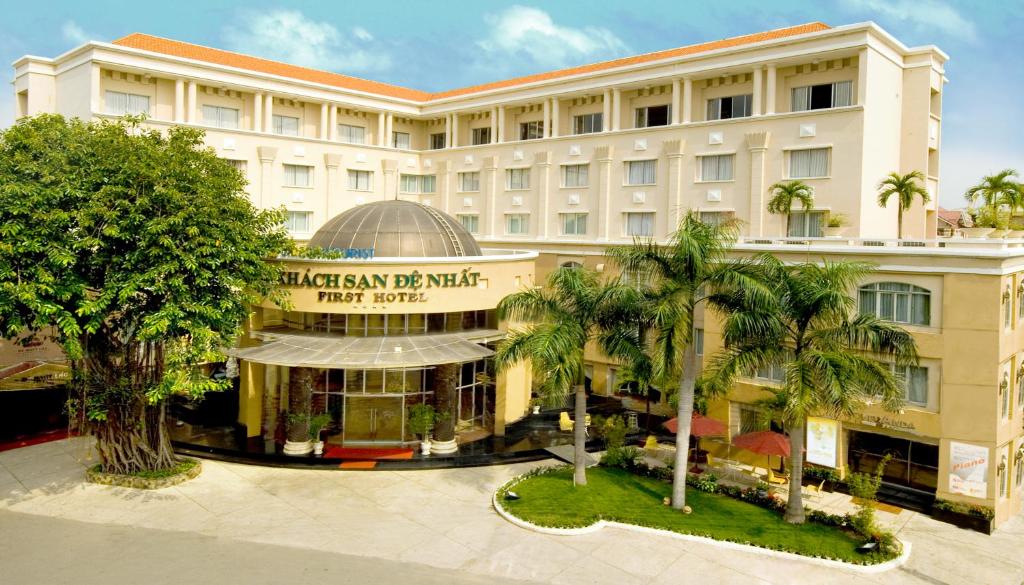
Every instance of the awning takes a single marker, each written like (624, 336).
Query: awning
(321, 350)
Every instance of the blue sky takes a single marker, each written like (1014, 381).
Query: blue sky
(452, 43)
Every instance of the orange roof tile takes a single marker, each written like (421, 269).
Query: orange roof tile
(220, 57)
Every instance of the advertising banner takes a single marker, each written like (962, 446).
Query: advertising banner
(968, 470)
(822, 441)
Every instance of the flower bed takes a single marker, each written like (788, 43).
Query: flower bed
(977, 518)
(148, 480)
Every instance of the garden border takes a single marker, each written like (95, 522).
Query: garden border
(93, 475)
(597, 526)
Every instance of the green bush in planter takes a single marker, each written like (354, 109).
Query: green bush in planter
(422, 418)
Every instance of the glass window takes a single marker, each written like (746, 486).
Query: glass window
(285, 125)
(220, 117)
(531, 130)
(771, 373)
(469, 182)
(641, 172)
(652, 116)
(698, 341)
(640, 224)
(808, 164)
(823, 96)
(914, 380)
(897, 302)
(437, 141)
(299, 222)
(574, 224)
(428, 184)
(575, 175)
(360, 180)
(724, 108)
(351, 134)
(517, 179)
(240, 165)
(121, 104)
(715, 217)
(409, 184)
(806, 224)
(1004, 397)
(298, 176)
(587, 123)
(470, 222)
(481, 136)
(717, 167)
(400, 140)
(1007, 309)
(517, 223)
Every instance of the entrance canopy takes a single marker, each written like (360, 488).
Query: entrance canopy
(321, 350)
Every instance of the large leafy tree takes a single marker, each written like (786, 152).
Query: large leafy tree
(998, 189)
(140, 254)
(835, 360)
(905, 188)
(689, 271)
(784, 195)
(551, 327)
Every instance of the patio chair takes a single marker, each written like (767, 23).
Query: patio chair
(564, 422)
(815, 492)
(777, 479)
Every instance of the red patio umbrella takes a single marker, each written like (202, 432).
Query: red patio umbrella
(700, 426)
(764, 442)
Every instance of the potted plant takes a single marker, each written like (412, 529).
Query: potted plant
(317, 423)
(972, 517)
(421, 420)
(535, 404)
(987, 221)
(836, 226)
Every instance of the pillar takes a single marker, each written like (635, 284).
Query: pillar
(606, 112)
(677, 104)
(268, 113)
(673, 149)
(769, 102)
(547, 119)
(455, 129)
(300, 404)
(179, 100)
(554, 117)
(604, 155)
(445, 396)
(616, 109)
(267, 155)
(501, 124)
(389, 128)
(542, 169)
(757, 143)
(448, 131)
(494, 125)
(756, 99)
(190, 107)
(489, 186)
(251, 393)
(332, 124)
(95, 97)
(445, 184)
(322, 135)
(331, 161)
(390, 171)
(862, 77)
(687, 100)
(381, 129)
(257, 112)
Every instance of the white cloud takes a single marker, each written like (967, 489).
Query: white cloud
(964, 164)
(523, 32)
(289, 36)
(74, 33)
(927, 14)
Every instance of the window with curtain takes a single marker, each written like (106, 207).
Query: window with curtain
(1004, 397)
(574, 224)
(1020, 301)
(401, 140)
(717, 167)
(351, 134)
(469, 182)
(124, 104)
(724, 108)
(240, 165)
(409, 184)
(640, 224)
(652, 116)
(437, 141)
(806, 224)
(715, 217)
(481, 136)
(575, 175)
(531, 130)
(517, 179)
(1007, 309)
(641, 172)
(220, 117)
(587, 123)
(360, 180)
(299, 222)
(517, 223)
(298, 176)
(748, 420)
(914, 381)
(810, 163)
(698, 341)
(771, 373)
(470, 222)
(897, 302)
(285, 125)
(428, 184)
(1020, 468)
(822, 96)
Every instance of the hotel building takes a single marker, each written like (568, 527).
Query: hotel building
(568, 162)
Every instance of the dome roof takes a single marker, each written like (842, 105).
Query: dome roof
(397, 229)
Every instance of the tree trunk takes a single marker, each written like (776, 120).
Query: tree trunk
(300, 395)
(795, 504)
(786, 235)
(688, 381)
(444, 396)
(579, 437)
(134, 438)
(899, 222)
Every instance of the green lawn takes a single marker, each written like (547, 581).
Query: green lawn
(614, 494)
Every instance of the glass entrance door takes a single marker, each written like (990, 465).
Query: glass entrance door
(374, 419)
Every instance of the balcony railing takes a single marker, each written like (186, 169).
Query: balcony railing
(907, 245)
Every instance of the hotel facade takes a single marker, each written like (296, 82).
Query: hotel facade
(567, 163)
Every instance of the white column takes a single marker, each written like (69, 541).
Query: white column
(332, 126)
(331, 162)
(862, 77)
(389, 122)
(323, 122)
(179, 100)
(606, 115)
(677, 104)
(547, 119)
(554, 117)
(687, 100)
(448, 131)
(769, 102)
(257, 112)
(616, 109)
(190, 108)
(494, 125)
(455, 129)
(542, 166)
(381, 129)
(95, 98)
(501, 124)
(268, 113)
(758, 82)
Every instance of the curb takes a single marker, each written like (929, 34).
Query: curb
(128, 481)
(778, 554)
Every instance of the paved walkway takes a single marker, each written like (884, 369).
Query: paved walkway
(442, 519)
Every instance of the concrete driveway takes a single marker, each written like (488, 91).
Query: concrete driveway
(442, 519)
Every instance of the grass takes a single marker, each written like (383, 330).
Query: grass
(550, 500)
(182, 466)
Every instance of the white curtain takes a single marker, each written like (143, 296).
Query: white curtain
(716, 168)
(641, 172)
(808, 163)
(842, 94)
(801, 98)
(640, 224)
(715, 109)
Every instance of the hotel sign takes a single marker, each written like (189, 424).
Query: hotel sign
(407, 287)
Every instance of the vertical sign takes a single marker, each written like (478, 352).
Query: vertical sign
(822, 441)
(968, 469)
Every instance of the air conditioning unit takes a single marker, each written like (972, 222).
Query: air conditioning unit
(299, 151)
(428, 202)
(427, 163)
(714, 194)
(298, 197)
(808, 130)
(639, 196)
(715, 138)
(574, 199)
(360, 157)
(410, 162)
(467, 202)
(640, 144)
(469, 159)
(517, 200)
(229, 144)
(574, 150)
(517, 155)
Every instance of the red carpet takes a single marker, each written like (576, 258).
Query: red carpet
(35, 440)
(366, 454)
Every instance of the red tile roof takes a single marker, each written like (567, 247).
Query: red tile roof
(227, 58)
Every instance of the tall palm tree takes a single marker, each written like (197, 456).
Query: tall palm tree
(905, 188)
(689, 271)
(558, 320)
(624, 336)
(784, 195)
(834, 360)
(998, 189)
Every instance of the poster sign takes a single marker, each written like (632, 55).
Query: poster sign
(822, 441)
(968, 470)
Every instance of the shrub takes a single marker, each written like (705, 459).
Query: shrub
(822, 517)
(628, 458)
(815, 473)
(707, 482)
(968, 509)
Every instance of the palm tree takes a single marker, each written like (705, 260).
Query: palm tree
(689, 271)
(784, 195)
(624, 337)
(834, 363)
(998, 189)
(905, 188)
(559, 320)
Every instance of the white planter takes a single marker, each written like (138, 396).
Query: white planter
(977, 232)
(998, 234)
(298, 447)
(444, 447)
(834, 232)
(318, 448)
(536, 409)
(1015, 234)
(425, 446)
